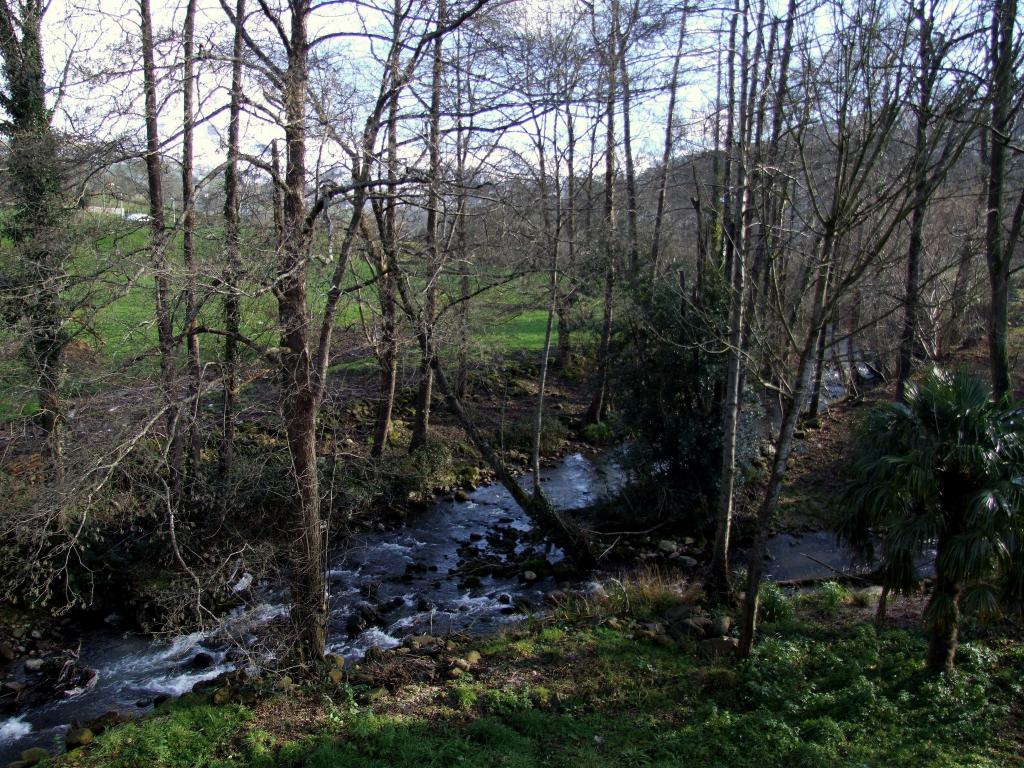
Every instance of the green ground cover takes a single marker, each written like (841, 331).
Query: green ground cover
(823, 689)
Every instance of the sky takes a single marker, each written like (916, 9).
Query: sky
(100, 93)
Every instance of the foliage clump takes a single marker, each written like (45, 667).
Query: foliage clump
(943, 469)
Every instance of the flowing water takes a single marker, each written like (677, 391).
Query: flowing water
(406, 574)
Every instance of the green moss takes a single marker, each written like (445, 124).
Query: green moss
(187, 733)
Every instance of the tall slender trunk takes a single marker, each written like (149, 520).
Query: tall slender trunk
(912, 300)
(726, 216)
(387, 359)
(814, 402)
(783, 449)
(461, 252)
(277, 204)
(188, 236)
(632, 233)
(231, 304)
(434, 246)
(666, 153)
(552, 230)
(719, 566)
(599, 402)
(566, 298)
(299, 394)
(158, 249)
(1004, 19)
(388, 356)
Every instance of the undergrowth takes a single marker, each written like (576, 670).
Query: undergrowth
(583, 688)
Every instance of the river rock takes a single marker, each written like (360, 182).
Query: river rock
(34, 755)
(78, 737)
(354, 625)
(720, 626)
(221, 696)
(462, 664)
(668, 546)
(336, 676)
(364, 617)
(696, 627)
(202, 660)
(7, 652)
(393, 604)
(335, 660)
(374, 654)
(679, 613)
(423, 644)
(461, 496)
(720, 646)
(473, 657)
(529, 576)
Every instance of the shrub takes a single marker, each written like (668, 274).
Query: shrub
(829, 597)
(773, 605)
(518, 435)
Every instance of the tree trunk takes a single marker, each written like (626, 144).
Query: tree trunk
(299, 402)
(461, 252)
(943, 616)
(1000, 98)
(718, 573)
(387, 361)
(912, 300)
(566, 298)
(388, 355)
(632, 233)
(599, 402)
(783, 449)
(188, 231)
(232, 256)
(565, 530)
(814, 403)
(666, 153)
(158, 249)
(434, 248)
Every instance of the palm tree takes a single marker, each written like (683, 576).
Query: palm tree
(944, 470)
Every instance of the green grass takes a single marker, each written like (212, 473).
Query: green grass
(570, 696)
(117, 323)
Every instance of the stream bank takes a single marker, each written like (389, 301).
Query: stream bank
(471, 564)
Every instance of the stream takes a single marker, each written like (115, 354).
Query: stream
(405, 575)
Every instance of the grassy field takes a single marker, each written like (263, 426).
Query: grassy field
(116, 332)
(823, 689)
